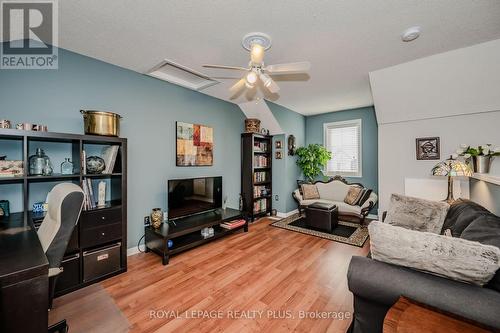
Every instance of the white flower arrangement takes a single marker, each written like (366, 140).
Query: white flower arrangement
(484, 150)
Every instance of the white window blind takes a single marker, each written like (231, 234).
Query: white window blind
(343, 139)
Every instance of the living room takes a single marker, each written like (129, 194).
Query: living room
(215, 166)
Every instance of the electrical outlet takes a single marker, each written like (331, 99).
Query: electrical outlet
(147, 222)
(277, 197)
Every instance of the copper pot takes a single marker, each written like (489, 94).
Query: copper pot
(101, 123)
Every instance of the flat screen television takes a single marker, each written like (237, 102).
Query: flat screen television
(193, 196)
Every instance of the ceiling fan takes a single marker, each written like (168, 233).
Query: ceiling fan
(257, 72)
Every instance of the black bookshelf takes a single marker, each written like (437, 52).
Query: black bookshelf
(98, 229)
(256, 174)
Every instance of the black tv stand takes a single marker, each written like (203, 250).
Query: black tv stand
(186, 232)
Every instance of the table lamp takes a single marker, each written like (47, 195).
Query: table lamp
(451, 168)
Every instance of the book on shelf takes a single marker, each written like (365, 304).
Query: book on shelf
(260, 176)
(260, 190)
(260, 161)
(89, 199)
(233, 224)
(261, 147)
(109, 154)
(260, 206)
(83, 162)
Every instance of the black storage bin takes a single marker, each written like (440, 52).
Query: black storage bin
(100, 262)
(70, 276)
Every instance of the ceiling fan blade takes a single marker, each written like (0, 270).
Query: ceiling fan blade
(236, 88)
(290, 68)
(226, 67)
(269, 83)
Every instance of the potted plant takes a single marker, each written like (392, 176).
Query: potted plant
(312, 159)
(481, 156)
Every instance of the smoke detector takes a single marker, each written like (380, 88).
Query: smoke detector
(410, 34)
(260, 38)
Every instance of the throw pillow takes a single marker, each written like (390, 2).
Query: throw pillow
(364, 196)
(353, 195)
(309, 191)
(416, 214)
(454, 258)
(461, 213)
(485, 229)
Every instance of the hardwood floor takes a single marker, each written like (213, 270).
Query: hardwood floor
(260, 281)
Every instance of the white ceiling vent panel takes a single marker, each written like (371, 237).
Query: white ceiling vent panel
(174, 73)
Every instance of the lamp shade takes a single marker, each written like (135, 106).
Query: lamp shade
(453, 168)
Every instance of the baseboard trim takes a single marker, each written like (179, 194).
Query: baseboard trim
(283, 215)
(135, 250)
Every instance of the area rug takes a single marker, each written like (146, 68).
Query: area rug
(345, 232)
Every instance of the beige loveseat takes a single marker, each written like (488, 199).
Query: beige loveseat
(334, 191)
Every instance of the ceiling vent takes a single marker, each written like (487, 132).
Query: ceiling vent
(174, 73)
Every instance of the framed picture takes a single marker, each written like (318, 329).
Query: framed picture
(279, 155)
(428, 148)
(278, 144)
(194, 145)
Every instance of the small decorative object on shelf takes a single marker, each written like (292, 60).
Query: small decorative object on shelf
(4, 123)
(10, 168)
(101, 195)
(291, 145)
(39, 164)
(481, 156)
(156, 217)
(4, 205)
(252, 125)
(66, 167)
(38, 207)
(95, 165)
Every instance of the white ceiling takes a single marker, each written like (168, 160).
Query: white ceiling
(343, 40)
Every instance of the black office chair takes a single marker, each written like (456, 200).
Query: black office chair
(65, 205)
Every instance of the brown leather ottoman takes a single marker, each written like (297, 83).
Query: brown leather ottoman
(322, 216)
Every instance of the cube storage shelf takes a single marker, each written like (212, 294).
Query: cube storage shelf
(98, 247)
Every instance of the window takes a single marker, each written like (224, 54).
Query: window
(343, 139)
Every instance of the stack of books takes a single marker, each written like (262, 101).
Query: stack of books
(89, 200)
(260, 161)
(260, 176)
(260, 206)
(233, 224)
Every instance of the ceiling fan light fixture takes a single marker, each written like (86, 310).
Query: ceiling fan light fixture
(257, 53)
(250, 79)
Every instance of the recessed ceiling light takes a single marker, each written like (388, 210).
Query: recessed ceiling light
(410, 34)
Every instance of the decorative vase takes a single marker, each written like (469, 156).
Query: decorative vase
(66, 167)
(156, 217)
(482, 164)
(95, 165)
(39, 163)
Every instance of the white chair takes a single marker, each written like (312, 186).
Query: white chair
(65, 205)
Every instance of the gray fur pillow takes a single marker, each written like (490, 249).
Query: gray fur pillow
(454, 258)
(417, 214)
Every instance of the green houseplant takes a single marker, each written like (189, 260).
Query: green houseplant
(312, 159)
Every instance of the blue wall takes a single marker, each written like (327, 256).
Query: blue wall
(149, 108)
(314, 134)
(285, 178)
